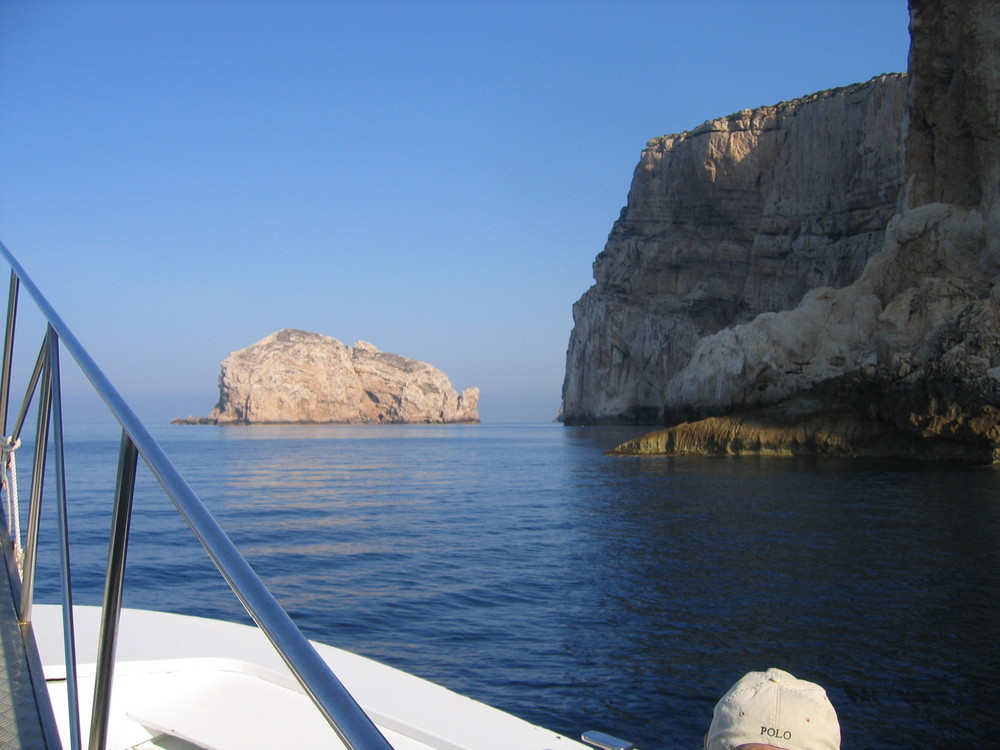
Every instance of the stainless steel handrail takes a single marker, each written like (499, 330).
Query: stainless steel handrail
(333, 700)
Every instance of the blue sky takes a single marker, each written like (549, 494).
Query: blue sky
(184, 178)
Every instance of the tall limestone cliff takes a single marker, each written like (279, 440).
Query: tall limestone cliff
(906, 359)
(741, 216)
(300, 377)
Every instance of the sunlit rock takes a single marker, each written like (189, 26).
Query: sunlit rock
(295, 376)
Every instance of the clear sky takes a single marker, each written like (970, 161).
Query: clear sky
(184, 178)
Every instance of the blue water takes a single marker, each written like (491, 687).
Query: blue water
(519, 566)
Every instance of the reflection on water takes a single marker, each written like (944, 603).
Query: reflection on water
(522, 567)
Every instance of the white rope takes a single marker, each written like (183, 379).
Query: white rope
(8, 446)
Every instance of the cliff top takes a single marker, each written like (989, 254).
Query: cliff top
(745, 118)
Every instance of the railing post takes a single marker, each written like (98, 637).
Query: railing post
(36, 375)
(128, 456)
(8, 351)
(8, 356)
(59, 461)
(37, 480)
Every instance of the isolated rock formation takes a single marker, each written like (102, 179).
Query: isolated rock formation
(906, 358)
(740, 216)
(295, 376)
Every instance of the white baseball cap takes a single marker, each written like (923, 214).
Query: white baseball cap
(774, 708)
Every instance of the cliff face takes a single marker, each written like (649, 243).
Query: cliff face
(740, 216)
(295, 376)
(907, 356)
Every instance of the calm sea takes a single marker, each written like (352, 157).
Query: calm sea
(519, 566)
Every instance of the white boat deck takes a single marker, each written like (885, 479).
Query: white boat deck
(186, 682)
(210, 704)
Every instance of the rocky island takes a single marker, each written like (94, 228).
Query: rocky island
(821, 276)
(299, 377)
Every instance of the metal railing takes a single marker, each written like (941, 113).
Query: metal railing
(332, 699)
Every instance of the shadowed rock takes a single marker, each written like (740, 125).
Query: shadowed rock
(740, 216)
(905, 360)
